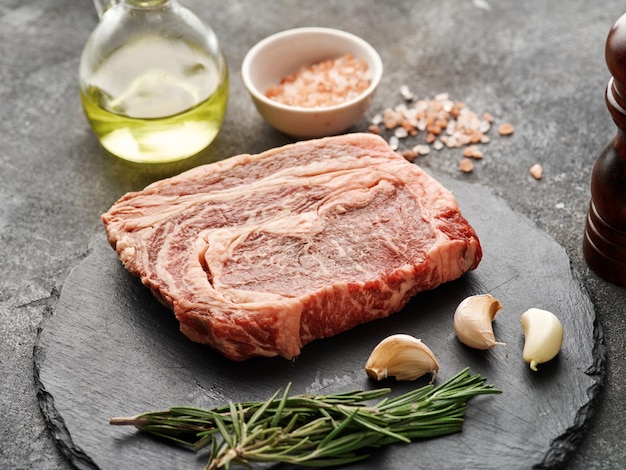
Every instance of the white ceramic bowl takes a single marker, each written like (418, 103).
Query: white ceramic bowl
(284, 53)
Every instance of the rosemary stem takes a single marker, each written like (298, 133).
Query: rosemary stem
(315, 430)
(130, 421)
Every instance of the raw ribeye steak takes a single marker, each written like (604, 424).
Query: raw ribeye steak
(258, 255)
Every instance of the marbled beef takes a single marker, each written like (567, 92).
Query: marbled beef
(257, 255)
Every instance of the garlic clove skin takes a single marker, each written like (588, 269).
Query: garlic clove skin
(403, 357)
(473, 321)
(543, 333)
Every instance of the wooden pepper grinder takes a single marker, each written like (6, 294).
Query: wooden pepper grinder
(604, 243)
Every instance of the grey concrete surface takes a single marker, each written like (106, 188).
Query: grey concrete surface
(537, 64)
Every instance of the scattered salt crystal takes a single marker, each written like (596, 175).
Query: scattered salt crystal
(422, 149)
(391, 118)
(411, 120)
(421, 105)
(374, 129)
(472, 152)
(536, 171)
(451, 142)
(394, 143)
(506, 129)
(401, 108)
(409, 154)
(466, 165)
(482, 4)
(447, 123)
(400, 132)
(406, 93)
(463, 139)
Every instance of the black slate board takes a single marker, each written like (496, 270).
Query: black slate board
(109, 349)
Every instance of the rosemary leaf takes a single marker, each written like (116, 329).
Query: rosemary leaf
(261, 410)
(330, 436)
(281, 406)
(229, 439)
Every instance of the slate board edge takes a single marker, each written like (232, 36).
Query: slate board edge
(561, 448)
(53, 419)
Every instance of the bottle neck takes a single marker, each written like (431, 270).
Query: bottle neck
(103, 5)
(147, 4)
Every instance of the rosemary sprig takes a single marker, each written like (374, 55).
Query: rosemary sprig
(315, 430)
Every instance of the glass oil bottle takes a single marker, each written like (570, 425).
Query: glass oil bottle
(153, 81)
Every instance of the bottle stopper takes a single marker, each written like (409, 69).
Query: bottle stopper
(604, 242)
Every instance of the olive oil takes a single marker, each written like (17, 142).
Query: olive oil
(155, 100)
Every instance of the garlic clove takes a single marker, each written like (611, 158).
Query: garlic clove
(543, 336)
(473, 321)
(403, 357)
